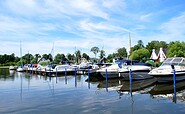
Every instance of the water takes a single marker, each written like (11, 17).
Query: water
(23, 93)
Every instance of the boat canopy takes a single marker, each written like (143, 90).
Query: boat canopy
(128, 62)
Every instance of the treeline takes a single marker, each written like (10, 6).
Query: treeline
(138, 52)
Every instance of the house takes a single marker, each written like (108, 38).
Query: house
(160, 57)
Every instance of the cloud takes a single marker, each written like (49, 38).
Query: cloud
(175, 26)
(84, 24)
(146, 17)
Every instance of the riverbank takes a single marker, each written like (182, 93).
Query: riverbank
(4, 66)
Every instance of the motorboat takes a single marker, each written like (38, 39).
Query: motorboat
(61, 69)
(111, 71)
(20, 69)
(164, 73)
(12, 68)
(139, 71)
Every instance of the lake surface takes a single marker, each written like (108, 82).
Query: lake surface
(24, 93)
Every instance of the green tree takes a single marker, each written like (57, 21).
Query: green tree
(78, 56)
(46, 56)
(50, 57)
(102, 54)
(84, 55)
(69, 57)
(176, 49)
(122, 53)
(95, 50)
(156, 45)
(110, 57)
(141, 55)
(27, 58)
(140, 43)
(58, 58)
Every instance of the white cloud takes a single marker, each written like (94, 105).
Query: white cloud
(146, 17)
(81, 23)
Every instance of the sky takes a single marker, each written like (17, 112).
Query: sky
(68, 25)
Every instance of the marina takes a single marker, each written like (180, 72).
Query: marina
(23, 92)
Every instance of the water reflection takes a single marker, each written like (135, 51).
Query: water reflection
(148, 86)
(167, 91)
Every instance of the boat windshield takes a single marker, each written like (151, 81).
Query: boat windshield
(174, 61)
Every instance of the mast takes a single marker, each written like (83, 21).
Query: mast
(130, 44)
(21, 54)
(130, 47)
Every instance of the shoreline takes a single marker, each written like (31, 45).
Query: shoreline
(1, 67)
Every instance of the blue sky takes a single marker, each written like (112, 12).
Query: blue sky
(67, 24)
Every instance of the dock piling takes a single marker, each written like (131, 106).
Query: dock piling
(106, 80)
(130, 77)
(56, 74)
(75, 79)
(65, 72)
(88, 78)
(174, 84)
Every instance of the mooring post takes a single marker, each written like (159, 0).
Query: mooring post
(88, 77)
(65, 72)
(32, 69)
(75, 72)
(106, 80)
(174, 83)
(75, 79)
(45, 71)
(56, 74)
(130, 77)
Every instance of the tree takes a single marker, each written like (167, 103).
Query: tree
(36, 57)
(140, 43)
(95, 50)
(84, 55)
(46, 56)
(122, 53)
(136, 47)
(78, 55)
(102, 54)
(27, 58)
(141, 55)
(110, 57)
(156, 45)
(50, 57)
(57, 58)
(69, 56)
(176, 49)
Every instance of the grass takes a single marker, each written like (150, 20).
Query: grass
(4, 66)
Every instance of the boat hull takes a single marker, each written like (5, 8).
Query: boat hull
(169, 78)
(135, 75)
(110, 74)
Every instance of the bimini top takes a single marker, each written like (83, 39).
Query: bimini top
(128, 62)
(174, 61)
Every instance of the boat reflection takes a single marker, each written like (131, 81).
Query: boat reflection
(122, 86)
(114, 84)
(137, 86)
(168, 91)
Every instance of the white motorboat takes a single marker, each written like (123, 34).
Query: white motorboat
(12, 68)
(112, 71)
(139, 71)
(61, 70)
(165, 71)
(20, 69)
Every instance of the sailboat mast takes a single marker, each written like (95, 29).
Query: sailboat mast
(21, 54)
(130, 48)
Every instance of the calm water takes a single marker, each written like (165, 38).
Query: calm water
(22, 93)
